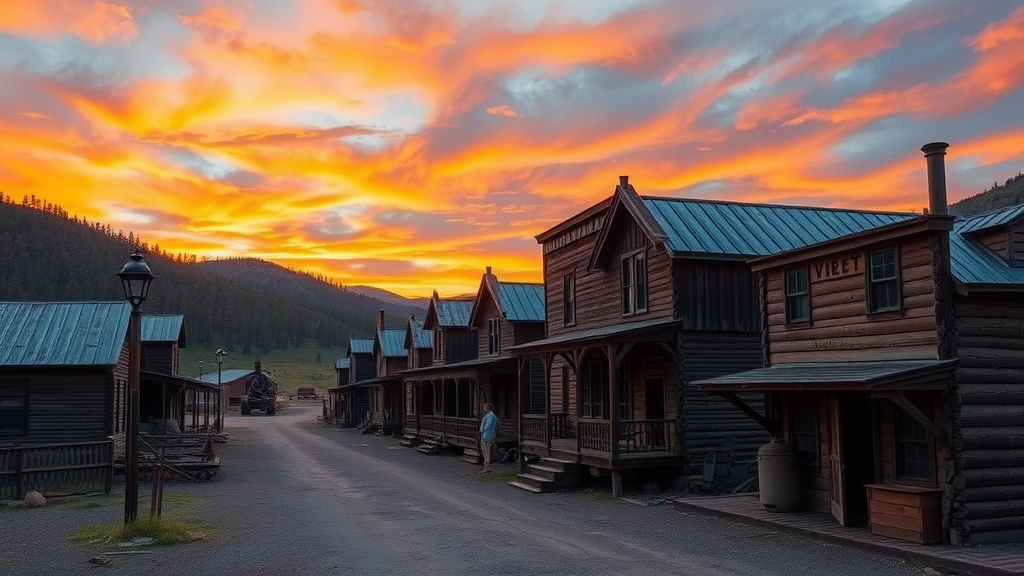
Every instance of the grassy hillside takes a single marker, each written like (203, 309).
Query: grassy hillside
(290, 368)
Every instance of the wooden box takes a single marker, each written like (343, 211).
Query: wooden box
(904, 512)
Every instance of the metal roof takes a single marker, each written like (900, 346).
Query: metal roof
(521, 302)
(225, 375)
(162, 327)
(993, 219)
(708, 227)
(342, 363)
(420, 338)
(453, 312)
(610, 331)
(863, 374)
(392, 342)
(360, 346)
(62, 333)
(971, 262)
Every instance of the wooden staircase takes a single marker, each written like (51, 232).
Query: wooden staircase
(409, 439)
(430, 445)
(548, 475)
(471, 455)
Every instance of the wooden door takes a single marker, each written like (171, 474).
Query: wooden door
(836, 476)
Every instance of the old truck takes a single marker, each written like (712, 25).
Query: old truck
(260, 393)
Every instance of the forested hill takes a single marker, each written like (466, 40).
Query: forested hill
(998, 196)
(44, 255)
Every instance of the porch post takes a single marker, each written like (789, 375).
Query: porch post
(546, 361)
(613, 407)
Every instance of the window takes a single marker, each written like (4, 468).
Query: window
(493, 336)
(884, 288)
(438, 353)
(569, 299)
(594, 390)
(913, 450)
(798, 300)
(803, 426)
(13, 408)
(634, 284)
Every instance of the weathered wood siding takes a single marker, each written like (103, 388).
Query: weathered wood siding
(841, 329)
(66, 406)
(988, 431)
(460, 344)
(995, 239)
(363, 367)
(1016, 235)
(599, 294)
(565, 253)
(707, 421)
(159, 357)
(394, 364)
(720, 296)
(506, 330)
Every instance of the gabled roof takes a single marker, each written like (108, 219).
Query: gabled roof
(989, 220)
(360, 346)
(448, 312)
(516, 301)
(225, 375)
(417, 337)
(164, 328)
(342, 364)
(975, 265)
(62, 333)
(390, 342)
(692, 228)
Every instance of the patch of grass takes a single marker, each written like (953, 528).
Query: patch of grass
(502, 476)
(162, 531)
(6, 561)
(598, 494)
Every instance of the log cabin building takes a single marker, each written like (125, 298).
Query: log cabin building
(643, 295)
(390, 358)
(472, 364)
(894, 365)
(356, 397)
(334, 404)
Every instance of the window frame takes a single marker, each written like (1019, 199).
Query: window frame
(438, 340)
(633, 283)
(569, 299)
(893, 281)
(921, 441)
(10, 392)
(795, 297)
(805, 411)
(493, 336)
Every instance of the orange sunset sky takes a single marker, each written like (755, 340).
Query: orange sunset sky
(409, 144)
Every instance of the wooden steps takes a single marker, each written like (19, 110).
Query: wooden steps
(430, 445)
(471, 455)
(548, 475)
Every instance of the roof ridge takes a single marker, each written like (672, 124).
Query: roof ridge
(770, 205)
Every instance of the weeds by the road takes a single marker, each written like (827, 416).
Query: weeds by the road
(145, 530)
(498, 476)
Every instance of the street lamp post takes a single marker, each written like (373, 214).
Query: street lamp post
(135, 279)
(221, 353)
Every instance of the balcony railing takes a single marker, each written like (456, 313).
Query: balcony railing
(595, 435)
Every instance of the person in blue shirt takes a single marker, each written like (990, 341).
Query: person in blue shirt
(488, 432)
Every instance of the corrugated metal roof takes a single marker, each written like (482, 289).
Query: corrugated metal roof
(62, 333)
(971, 262)
(392, 342)
(832, 373)
(360, 346)
(452, 312)
(707, 227)
(420, 338)
(342, 363)
(162, 327)
(597, 333)
(988, 220)
(521, 302)
(225, 375)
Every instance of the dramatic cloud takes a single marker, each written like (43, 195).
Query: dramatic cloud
(408, 145)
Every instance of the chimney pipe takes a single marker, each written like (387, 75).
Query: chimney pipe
(934, 153)
(258, 368)
(623, 180)
(488, 270)
(380, 319)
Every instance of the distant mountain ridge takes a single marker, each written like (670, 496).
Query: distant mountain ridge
(387, 296)
(1010, 193)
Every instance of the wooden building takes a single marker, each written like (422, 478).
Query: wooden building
(643, 295)
(390, 358)
(355, 397)
(472, 365)
(894, 364)
(334, 404)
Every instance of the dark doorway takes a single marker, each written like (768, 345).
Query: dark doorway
(654, 403)
(858, 456)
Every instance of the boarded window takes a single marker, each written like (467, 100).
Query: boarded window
(803, 426)
(13, 408)
(493, 336)
(569, 299)
(634, 283)
(884, 281)
(798, 299)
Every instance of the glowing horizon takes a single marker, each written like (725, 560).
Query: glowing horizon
(408, 146)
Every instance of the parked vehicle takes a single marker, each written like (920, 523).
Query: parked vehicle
(260, 394)
(306, 393)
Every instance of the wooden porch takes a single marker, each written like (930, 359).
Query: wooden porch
(997, 559)
(601, 443)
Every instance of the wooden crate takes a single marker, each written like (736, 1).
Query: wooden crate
(911, 513)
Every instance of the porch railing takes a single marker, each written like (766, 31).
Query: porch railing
(595, 435)
(535, 427)
(647, 436)
(76, 468)
(561, 426)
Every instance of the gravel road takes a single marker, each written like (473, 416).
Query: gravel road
(295, 497)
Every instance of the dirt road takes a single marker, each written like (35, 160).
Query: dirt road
(294, 497)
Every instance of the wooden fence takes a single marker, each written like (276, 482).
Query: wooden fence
(77, 468)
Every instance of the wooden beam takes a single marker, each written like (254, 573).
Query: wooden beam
(900, 399)
(772, 426)
(621, 354)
